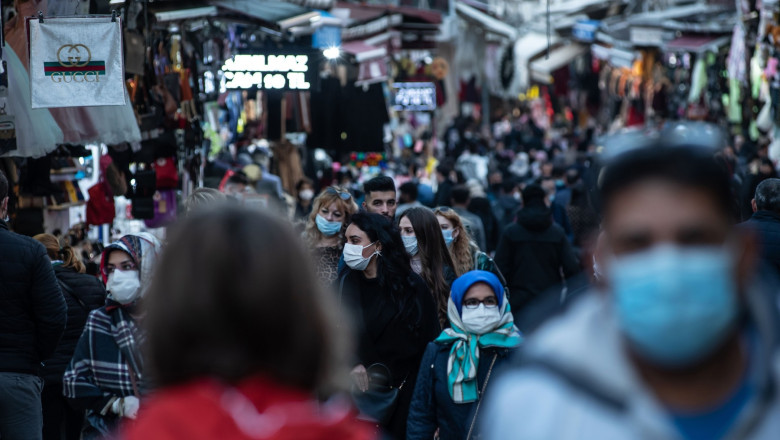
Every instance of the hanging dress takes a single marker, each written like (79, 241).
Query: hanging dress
(37, 133)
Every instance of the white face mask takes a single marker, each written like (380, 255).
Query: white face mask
(480, 320)
(353, 256)
(306, 194)
(124, 286)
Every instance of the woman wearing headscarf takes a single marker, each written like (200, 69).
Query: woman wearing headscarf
(106, 377)
(456, 367)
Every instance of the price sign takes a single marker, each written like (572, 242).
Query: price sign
(414, 96)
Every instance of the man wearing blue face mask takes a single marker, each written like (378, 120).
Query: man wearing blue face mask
(679, 343)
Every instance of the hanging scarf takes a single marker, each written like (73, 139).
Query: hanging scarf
(463, 363)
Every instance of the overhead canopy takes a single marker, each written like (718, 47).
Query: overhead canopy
(486, 21)
(697, 44)
(282, 14)
(542, 69)
(362, 51)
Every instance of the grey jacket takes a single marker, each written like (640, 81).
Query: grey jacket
(577, 383)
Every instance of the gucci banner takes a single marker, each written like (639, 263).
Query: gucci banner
(76, 61)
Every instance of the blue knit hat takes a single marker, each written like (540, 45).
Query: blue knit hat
(468, 279)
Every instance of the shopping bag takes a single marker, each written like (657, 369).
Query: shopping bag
(100, 206)
(164, 209)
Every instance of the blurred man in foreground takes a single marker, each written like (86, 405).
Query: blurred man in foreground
(680, 342)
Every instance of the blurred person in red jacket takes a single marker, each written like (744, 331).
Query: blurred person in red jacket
(241, 338)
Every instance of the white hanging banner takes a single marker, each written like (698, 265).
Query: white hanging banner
(76, 61)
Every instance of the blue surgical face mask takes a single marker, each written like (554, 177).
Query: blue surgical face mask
(448, 238)
(410, 243)
(675, 305)
(327, 228)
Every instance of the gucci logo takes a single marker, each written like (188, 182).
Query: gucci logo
(76, 55)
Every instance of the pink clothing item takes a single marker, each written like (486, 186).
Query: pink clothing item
(771, 67)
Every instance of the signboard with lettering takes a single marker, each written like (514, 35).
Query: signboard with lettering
(414, 96)
(76, 61)
(585, 30)
(290, 71)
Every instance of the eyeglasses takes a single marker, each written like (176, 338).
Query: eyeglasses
(127, 266)
(443, 209)
(341, 193)
(473, 303)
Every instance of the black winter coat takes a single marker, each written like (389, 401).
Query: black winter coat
(531, 254)
(767, 225)
(391, 333)
(432, 407)
(91, 292)
(32, 309)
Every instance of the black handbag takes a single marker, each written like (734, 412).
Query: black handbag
(378, 403)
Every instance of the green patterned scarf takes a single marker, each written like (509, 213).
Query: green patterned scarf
(463, 362)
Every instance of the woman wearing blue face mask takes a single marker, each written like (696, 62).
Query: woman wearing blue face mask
(465, 254)
(429, 256)
(331, 212)
(394, 315)
(456, 367)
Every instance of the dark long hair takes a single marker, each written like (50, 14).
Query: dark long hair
(393, 266)
(236, 296)
(434, 255)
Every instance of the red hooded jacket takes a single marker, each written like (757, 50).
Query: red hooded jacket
(255, 409)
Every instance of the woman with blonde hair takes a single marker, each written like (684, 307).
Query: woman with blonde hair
(466, 255)
(331, 212)
(83, 293)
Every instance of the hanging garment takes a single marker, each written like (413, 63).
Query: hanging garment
(37, 132)
(288, 162)
(698, 80)
(116, 123)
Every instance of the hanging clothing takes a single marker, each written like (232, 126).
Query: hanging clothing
(37, 133)
(288, 163)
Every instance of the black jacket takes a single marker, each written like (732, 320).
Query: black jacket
(432, 407)
(32, 309)
(391, 333)
(767, 225)
(91, 295)
(531, 254)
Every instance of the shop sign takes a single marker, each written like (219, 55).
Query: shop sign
(585, 30)
(269, 72)
(76, 62)
(645, 36)
(414, 96)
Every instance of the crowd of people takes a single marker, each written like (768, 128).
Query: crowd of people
(558, 293)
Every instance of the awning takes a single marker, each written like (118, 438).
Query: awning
(514, 62)
(372, 71)
(284, 15)
(486, 21)
(362, 51)
(697, 44)
(542, 69)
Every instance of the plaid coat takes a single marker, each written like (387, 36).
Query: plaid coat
(99, 372)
